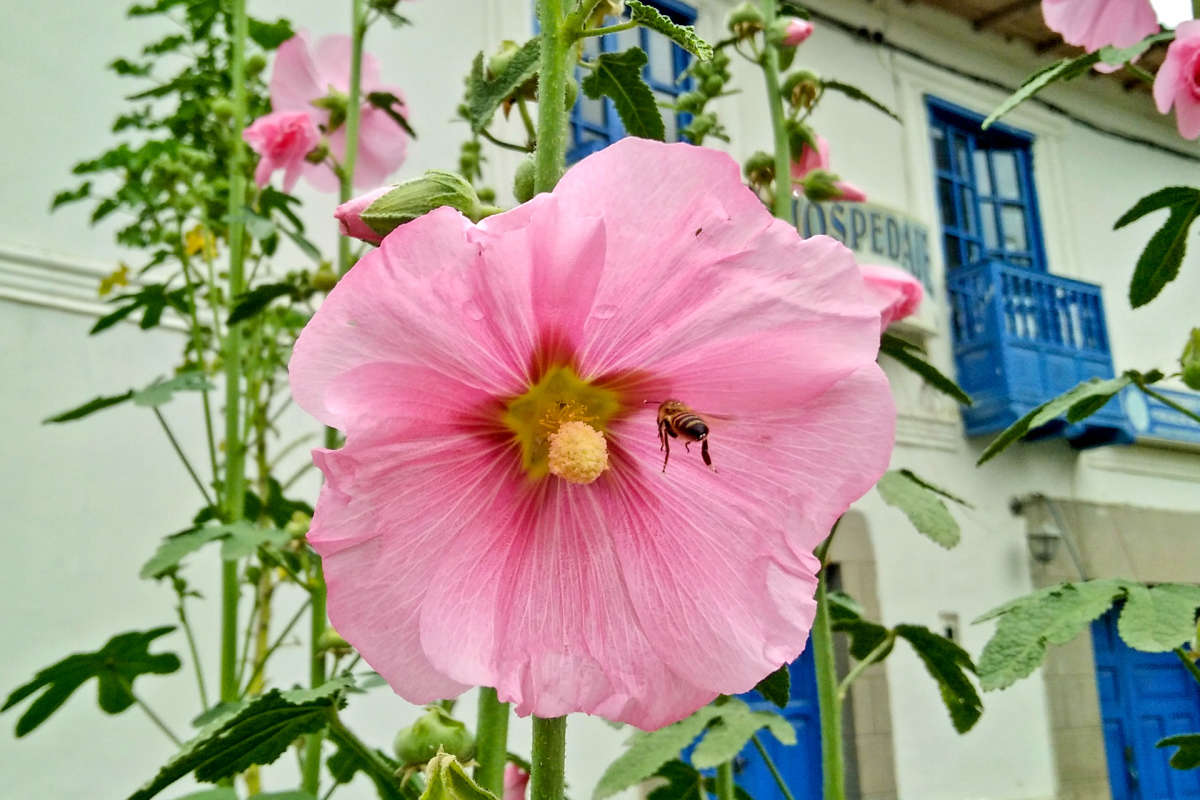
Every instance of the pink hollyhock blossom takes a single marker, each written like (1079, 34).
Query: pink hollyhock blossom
(302, 75)
(1178, 80)
(796, 32)
(893, 291)
(482, 373)
(1093, 24)
(812, 160)
(282, 139)
(349, 216)
(515, 781)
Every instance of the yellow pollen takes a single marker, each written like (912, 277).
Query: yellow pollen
(578, 452)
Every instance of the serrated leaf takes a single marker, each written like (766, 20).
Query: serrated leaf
(349, 760)
(908, 355)
(1159, 262)
(485, 96)
(777, 687)
(923, 507)
(731, 732)
(855, 93)
(243, 538)
(865, 637)
(1158, 619)
(90, 407)
(683, 35)
(254, 301)
(240, 539)
(1089, 396)
(269, 35)
(66, 196)
(257, 734)
(1188, 754)
(1120, 55)
(683, 782)
(948, 664)
(619, 76)
(1057, 616)
(1062, 70)
(648, 750)
(115, 666)
(161, 392)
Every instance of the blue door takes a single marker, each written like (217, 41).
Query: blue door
(800, 764)
(1144, 697)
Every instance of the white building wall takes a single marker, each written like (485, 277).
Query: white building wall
(78, 500)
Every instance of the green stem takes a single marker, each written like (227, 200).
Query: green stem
(861, 667)
(725, 789)
(624, 26)
(1162, 398)
(155, 718)
(378, 771)
(770, 762)
(548, 759)
(181, 612)
(783, 150)
(234, 485)
(182, 457)
(358, 32)
(1187, 662)
(551, 153)
(262, 662)
(491, 741)
(827, 697)
(311, 781)
(530, 129)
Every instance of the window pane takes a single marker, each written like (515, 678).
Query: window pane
(1008, 185)
(966, 205)
(670, 119)
(962, 163)
(973, 252)
(1013, 220)
(591, 47)
(953, 256)
(662, 58)
(590, 110)
(946, 202)
(941, 151)
(987, 215)
(983, 180)
(627, 39)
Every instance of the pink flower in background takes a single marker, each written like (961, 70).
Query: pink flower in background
(812, 160)
(796, 32)
(349, 216)
(515, 781)
(484, 374)
(302, 75)
(893, 291)
(1178, 80)
(282, 139)
(1093, 24)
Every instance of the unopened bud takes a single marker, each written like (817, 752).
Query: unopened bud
(317, 154)
(821, 185)
(336, 104)
(297, 526)
(759, 169)
(745, 20)
(801, 88)
(255, 64)
(500, 60)
(523, 182)
(332, 641)
(434, 731)
(713, 85)
(1190, 360)
(325, 278)
(222, 108)
(691, 102)
(374, 215)
(445, 779)
(789, 32)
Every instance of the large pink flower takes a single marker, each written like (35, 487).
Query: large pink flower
(1178, 80)
(813, 160)
(1093, 24)
(457, 357)
(301, 76)
(893, 291)
(282, 139)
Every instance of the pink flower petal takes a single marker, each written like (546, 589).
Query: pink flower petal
(295, 81)
(332, 60)
(515, 782)
(381, 147)
(1093, 24)
(349, 216)
(893, 291)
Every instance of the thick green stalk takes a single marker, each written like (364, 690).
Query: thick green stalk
(358, 32)
(548, 777)
(311, 777)
(235, 451)
(833, 762)
(783, 150)
(725, 781)
(491, 741)
(551, 153)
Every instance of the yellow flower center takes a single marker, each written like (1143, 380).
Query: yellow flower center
(560, 423)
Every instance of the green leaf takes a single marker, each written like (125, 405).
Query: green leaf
(948, 664)
(912, 476)
(269, 35)
(254, 301)
(115, 666)
(922, 505)
(90, 407)
(162, 392)
(855, 93)
(66, 196)
(257, 734)
(683, 35)
(732, 730)
(1164, 198)
(649, 750)
(284, 796)
(348, 760)
(394, 107)
(619, 76)
(865, 637)
(240, 539)
(907, 354)
(1027, 626)
(484, 96)
(1158, 619)
(1077, 403)
(113, 317)
(243, 538)
(1063, 70)
(777, 687)
(212, 794)
(1117, 56)
(1159, 262)
(684, 782)
(1188, 754)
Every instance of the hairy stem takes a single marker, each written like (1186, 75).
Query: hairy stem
(358, 32)
(827, 696)
(491, 741)
(551, 153)
(311, 781)
(548, 759)
(783, 150)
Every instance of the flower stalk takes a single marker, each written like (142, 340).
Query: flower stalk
(782, 203)
(548, 776)
(832, 758)
(358, 32)
(551, 153)
(491, 741)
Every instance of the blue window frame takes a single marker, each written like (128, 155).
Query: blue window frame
(985, 190)
(594, 123)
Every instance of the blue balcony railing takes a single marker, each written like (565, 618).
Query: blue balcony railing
(1021, 337)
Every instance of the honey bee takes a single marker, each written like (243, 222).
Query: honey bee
(678, 421)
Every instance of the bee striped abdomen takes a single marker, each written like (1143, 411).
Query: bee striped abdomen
(676, 420)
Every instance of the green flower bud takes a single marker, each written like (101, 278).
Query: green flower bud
(332, 641)
(445, 779)
(523, 182)
(255, 64)
(1190, 360)
(325, 278)
(712, 85)
(821, 185)
(721, 61)
(411, 199)
(691, 102)
(487, 195)
(700, 126)
(317, 154)
(500, 60)
(745, 20)
(297, 526)
(759, 169)
(222, 108)
(800, 88)
(435, 731)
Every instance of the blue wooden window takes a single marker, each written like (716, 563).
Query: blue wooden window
(594, 123)
(985, 190)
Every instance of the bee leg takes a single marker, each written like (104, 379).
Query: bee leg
(666, 446)
(687, 446)
(704, 455)
(662, 436)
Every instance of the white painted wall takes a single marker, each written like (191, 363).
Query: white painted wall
(83, 504)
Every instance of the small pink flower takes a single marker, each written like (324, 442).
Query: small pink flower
(301, 76)
(811, 160)
(796, 32)
(515, 781)
(484, 373)
(1178, 80)
(349, 216)
(893, 291)
(1093, 24)
(282, 139)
